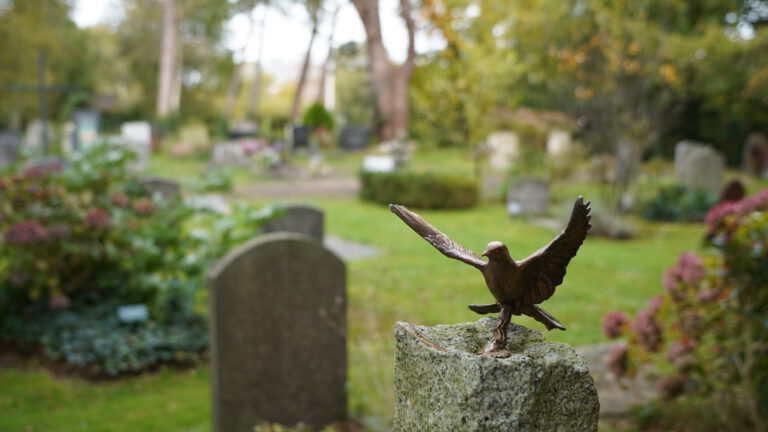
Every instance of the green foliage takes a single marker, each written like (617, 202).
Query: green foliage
(216, 180)
(419, 190)
(677, 203)
(84, 239)
(712, 321)
(317, 117)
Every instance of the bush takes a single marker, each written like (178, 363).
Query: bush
(709, 330)
(679, 204)
(419, 190)
(78, 241)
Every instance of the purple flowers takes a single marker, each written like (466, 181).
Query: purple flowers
(29, 231)
(143, 206)
(614, 324)
(688, 271)
(647, 328)
(97, 218)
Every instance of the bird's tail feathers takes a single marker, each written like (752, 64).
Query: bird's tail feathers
(543, 317)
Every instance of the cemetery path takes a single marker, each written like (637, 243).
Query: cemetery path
(325, 187)
(617, 395)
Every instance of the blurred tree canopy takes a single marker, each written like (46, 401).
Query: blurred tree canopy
(650, 71)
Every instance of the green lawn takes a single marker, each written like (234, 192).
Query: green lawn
(410, 281)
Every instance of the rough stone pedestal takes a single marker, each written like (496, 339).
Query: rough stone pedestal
(443, 385)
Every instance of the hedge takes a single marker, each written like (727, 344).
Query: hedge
(419, 190)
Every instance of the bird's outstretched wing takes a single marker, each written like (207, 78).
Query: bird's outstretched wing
(544, 270)
(440, 241)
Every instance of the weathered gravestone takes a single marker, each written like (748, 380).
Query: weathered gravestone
(698, 166)
(300, 137)
(195, 136)
(87, 127)
(528, 196)
(354, 137)
(558, 143)
(503, 147)
(168, 189)
(298, 218)
(278, 334)
(442, 385)
(137, 136)
(230, 154)
(754, 156)
(382, 163)
(9, 146)
(35, 138)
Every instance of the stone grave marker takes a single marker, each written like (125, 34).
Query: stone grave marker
(379, 163)
(354, 137)
(34, 138)
(87, 128)
(527, 197)
(300, 137)
(278, 334)
(195, 136)
(298, 218)
(168, 189)
(754, 156)
(9, 146)
(503, 147)
(699, 166)
(138, 137)
(230, 154)
(558, 143)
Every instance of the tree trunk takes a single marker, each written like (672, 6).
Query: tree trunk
(321, 88)
(169, 79)
(389, 83)
(254, 101)
(303, 76)
(237, 74)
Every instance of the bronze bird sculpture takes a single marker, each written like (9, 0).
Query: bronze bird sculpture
(517, 286)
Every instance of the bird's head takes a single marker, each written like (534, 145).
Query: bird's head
(495, 249)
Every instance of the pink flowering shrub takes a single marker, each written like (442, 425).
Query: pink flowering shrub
(709, 330)
(79, 241)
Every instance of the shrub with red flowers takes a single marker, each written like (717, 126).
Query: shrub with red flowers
(708, 334)
(77, 241)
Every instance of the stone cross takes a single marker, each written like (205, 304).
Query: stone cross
(278, 334)
(299, 218)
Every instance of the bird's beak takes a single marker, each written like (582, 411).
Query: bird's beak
(485, 252)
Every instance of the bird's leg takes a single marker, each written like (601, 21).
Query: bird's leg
(499, 339)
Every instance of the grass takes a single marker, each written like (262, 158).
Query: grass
(410, 281)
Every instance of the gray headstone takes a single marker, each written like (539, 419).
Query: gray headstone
(298, 218)
(230, 154)
(9, 146)
(699, 166)
(168, 189)
(354, 137)
(34, 137)
(87, 128)
(194, 135)
(558, 143)
(528, 196)
(442, 385)
(503, 148)
(138, 137)
(300, 137)
(379, 163)
(754, 156)
(278, 334)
